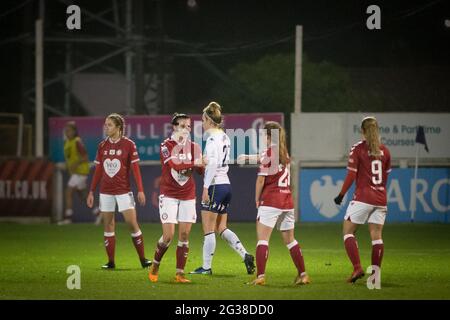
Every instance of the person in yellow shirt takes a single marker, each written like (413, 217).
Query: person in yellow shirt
(77, 164)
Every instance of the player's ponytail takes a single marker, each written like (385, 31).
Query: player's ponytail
(281, 143)
(369, 127)
(214, 113)
(119, 121)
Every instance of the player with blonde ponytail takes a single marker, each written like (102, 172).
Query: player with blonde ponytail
(216, 195)
(369, 163)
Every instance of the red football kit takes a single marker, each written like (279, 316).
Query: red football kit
(371, 173)
(276, 192)
(177, 162)
(113, 163)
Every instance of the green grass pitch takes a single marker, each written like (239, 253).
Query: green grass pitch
(34, 260)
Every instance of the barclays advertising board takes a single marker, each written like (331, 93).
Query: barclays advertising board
(318, 187)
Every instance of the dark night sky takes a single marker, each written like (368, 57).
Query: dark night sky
(413, 34)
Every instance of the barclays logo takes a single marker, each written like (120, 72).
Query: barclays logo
(322, 192)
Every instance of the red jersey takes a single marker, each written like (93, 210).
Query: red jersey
(276, 191)
(115, 158)
(371, 173)
(177, 162)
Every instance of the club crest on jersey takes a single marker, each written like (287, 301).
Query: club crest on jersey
(165, 151)
(119, 152)
(112, 152)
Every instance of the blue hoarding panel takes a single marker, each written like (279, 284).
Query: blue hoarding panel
(318, 187)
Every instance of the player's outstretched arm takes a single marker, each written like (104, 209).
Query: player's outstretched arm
(251, 158)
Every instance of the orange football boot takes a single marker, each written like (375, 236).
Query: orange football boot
(153, 272)
(260, 281)
(180, 278)
(302, 280)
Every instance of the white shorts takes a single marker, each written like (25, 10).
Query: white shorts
(173, 210)
(124, 202)
(283, 219)
(360, 213)
(77, 181)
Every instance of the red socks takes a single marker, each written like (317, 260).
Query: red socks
(110, 245)
(262, 253)
(160, 250)
(182, 254)
(138, 242)
(297, 256)
(377, 252)
(351, 246)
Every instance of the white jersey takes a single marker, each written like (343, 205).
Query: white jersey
(217, 153)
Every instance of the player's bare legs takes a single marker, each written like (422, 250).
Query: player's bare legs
(221, 222)
(136, 235)
(349, 227)
(109, 222)
(69, 199)
(131, 220)
(184, 229)
(209, 221)
(168, 232)
(69, 206)
(377, 243)
(263, 232)
(109, 238)
(296, 255)
(351, 246)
